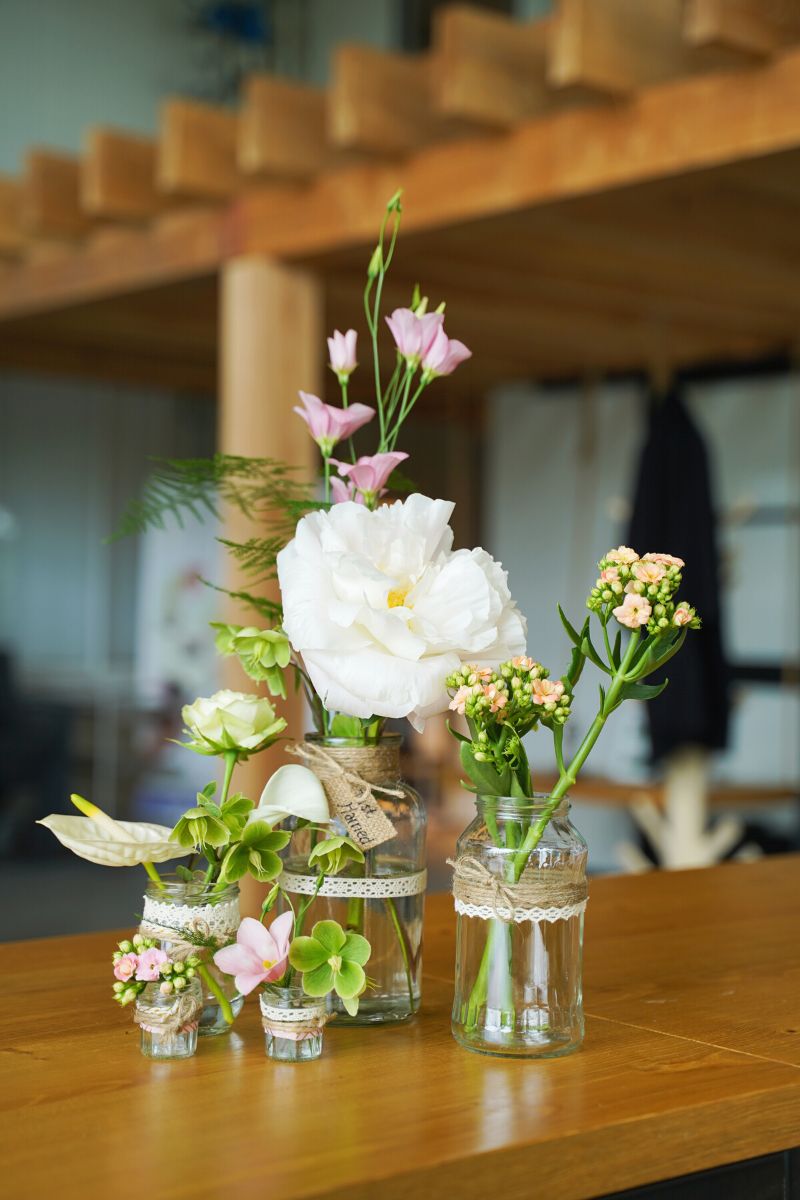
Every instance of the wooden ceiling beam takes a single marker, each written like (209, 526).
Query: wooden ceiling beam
(12, 237)
(760, 28)
(118, 176)
(282, 129)
(490, 69)
(618, 46)
(196, 157)
(379, 102)
(51, 201)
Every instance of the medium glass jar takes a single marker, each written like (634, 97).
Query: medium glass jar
(293, 1022)
(168, 1024)
(212, 918)
(520, 894)
(381, 898)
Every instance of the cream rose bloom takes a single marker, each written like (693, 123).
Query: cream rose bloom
(230, 721)
(382, 609)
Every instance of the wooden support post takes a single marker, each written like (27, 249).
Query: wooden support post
(282, 129)
(490, 69)
(271, 343)
(380, 102)
(197, 151)
(755, 27)
(51, 206)
(617, 46)
(118, 176)
(12, 238)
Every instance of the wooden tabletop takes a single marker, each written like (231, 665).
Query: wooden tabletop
(692, 1060)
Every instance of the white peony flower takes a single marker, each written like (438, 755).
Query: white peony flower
(382, 609)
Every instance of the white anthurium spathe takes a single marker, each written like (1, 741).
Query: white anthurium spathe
(100, 839)
(382, 609)
(293, 791)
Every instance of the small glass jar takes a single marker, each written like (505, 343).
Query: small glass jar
(381, 898)
(520, 895)
(175, 905)
(294, 1024)
(168, 1024)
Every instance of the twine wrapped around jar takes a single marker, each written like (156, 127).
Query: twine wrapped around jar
(552, 894)
(351, 776)
(294, 1024)
(179, 1017)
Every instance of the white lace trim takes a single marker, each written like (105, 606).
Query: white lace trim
(375, 887)
(214, 920)
(281, 1016)
(486, 913)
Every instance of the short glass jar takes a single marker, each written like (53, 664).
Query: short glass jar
(212, 916)
(381, 898)
(294, 1024)
(520, 895)
(168, 1024)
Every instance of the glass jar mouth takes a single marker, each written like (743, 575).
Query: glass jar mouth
(346, 743)
(515, 807)
(195, 891)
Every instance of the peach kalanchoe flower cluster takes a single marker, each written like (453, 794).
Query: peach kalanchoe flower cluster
(640, 592)
(502, 706)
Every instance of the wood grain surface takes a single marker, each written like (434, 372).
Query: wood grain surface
(691, 1061)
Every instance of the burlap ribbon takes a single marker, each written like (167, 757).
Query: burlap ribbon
(180, 948)
(179, 1017)
(559, 887)
(295, 1031)
(350, 776)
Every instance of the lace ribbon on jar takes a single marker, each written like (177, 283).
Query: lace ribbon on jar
(553, 894)
(294, 1024)
(214, 925)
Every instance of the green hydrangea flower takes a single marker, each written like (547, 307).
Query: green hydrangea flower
(332, 960)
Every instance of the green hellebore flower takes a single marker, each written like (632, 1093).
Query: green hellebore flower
(256, 853)
(332, 960)
(334, 853)
(263, 653)
(199, 827)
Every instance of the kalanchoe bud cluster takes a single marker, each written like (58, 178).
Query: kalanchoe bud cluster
(176, 976)
(502, 706)
(641, 591)
(137, 962)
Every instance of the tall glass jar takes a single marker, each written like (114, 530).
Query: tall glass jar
(520, 894)
(175, 905)
(381, 898)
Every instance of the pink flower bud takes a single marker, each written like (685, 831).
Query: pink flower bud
(342, 351)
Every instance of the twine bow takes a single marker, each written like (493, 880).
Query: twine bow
(478, 877)
(350, 795)
(178, 1017)
(555, 888)
(180, 946)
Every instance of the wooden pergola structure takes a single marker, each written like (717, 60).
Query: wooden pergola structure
(615, 187)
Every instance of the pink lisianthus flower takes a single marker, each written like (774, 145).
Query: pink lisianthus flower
(547, 692)
(669, 560)
(370, 474)
(342, 353)
(622, 554)
(342, 491)
(259, 955)
(414, 335)
(329, 425)
(443, 355)
(459, 701)
(125, 967)
(149, 965)
(633, 612)
(649, 572)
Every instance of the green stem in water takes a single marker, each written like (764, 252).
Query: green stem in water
(154, 875)
(400, 934)
(217, 992)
